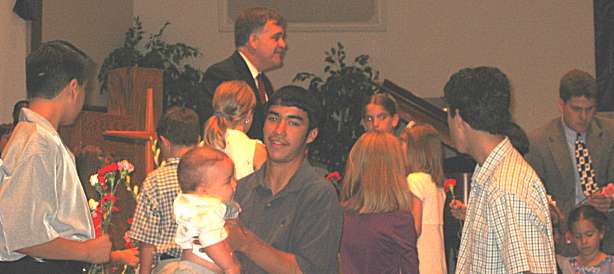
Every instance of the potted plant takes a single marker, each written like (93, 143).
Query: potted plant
(182, 83)
(343, 91)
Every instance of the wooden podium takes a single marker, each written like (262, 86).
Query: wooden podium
(126, 111)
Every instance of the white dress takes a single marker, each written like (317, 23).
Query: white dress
(431, 242)
(241, 149)
(202, 217)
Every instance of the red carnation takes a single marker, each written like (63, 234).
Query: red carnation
(333, 176)
(448, 186)
(109, 168)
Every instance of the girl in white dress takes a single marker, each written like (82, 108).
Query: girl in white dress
(233, 106)
(425, 179)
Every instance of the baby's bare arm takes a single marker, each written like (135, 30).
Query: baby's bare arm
(221, 253)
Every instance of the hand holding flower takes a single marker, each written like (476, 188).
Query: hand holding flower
(458, 209)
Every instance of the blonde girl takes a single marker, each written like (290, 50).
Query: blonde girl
(378, 229)
(233, 111)
(425, 180)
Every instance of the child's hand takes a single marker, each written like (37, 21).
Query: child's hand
(458, 209)
(126, 256)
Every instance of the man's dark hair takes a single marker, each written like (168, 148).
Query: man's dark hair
(251, 20)
(482, 97)
(53, 65)
(518, 138)
(295, 96)
(190, 169)
(577, 83)
(17, 109)
(180, 126)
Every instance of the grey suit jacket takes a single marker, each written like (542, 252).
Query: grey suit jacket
(550, 157)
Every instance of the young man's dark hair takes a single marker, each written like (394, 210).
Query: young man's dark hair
(577, 83)
(17, 109)
(250, 20)
(180, 126)
(295, 96)
(482, 97)
(50, 68)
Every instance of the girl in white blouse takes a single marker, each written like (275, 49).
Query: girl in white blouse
(425, 179)
(233, 106)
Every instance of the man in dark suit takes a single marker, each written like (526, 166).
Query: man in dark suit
(260, 41)
(552, 150)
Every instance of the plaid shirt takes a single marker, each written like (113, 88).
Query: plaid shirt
(154, 220)
(507, 228)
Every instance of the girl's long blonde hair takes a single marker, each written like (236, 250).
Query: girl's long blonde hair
(424, 151)
(233, 103)
(375, 176)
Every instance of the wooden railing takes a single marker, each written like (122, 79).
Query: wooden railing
(414, 108)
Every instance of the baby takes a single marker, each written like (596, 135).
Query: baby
(207, 181)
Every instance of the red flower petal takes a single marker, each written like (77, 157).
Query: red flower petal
(333, 176)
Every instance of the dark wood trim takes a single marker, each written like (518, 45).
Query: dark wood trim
(36, 27)
(412, 107)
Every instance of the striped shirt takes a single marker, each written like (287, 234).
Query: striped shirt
(154, 220)
(507, 228)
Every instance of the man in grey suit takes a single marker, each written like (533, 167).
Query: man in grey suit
(552, 150)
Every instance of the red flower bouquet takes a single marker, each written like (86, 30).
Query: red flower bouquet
(105, 182)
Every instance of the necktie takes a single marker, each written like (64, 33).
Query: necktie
(585, 168)
(261, 88)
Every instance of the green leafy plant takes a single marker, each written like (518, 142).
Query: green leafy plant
(343, 90)
(182, 83)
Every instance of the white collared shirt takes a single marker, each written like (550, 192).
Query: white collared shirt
(41, 198)
(252, 69)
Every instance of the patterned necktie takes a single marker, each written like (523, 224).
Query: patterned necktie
(261, 89)
(585, 168)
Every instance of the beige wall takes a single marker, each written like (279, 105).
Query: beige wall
(13, 48)
(534, 42)
(95, 26)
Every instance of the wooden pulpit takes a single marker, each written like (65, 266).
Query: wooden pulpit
(127, 110)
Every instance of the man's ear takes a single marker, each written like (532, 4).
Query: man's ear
(561, 105)
(312, 135)
(458, 120)
(73, 89)
(252, 39)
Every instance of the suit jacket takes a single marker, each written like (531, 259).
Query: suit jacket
(233, 68)
(550, 157)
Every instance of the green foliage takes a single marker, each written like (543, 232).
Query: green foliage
(182, 83)
(343, 90)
